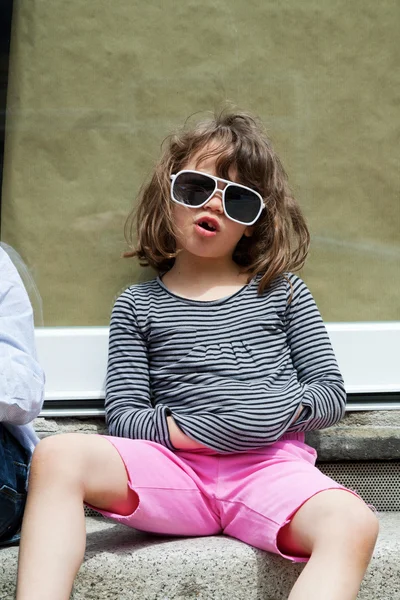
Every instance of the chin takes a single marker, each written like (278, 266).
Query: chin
(207, 254)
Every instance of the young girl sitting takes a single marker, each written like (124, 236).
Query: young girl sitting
(216, 369)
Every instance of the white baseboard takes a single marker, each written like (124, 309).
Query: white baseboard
(75, 359)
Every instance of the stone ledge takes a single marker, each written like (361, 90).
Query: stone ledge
(49, 426)
(360, 436)
(129, 565)
(370, 435)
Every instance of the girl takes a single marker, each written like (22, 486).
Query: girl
(216, 370)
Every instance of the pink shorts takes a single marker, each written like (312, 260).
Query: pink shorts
(249, 496)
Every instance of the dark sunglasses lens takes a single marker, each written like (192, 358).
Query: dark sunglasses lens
(192, 189)
(242, 205)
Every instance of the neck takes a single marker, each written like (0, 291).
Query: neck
(200, 278)
(212, 270)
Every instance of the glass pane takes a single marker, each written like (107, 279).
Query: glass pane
(95, 87)
(5, 33)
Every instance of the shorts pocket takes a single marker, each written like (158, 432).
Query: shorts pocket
(304, 451)
(291, 450)
(12, 506)
(21, 476)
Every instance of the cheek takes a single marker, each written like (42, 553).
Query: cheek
(237, 231)
(180, 215)
(182, 218)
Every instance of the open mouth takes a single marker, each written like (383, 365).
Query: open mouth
(207, 226)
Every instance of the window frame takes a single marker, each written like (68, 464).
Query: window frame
(75, 361)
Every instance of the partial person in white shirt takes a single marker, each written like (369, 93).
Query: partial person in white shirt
(21, 397)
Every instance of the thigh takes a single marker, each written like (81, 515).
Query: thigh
(171, 496)
(276, 484)
(332, 517)
(82, 465)
(13, 474)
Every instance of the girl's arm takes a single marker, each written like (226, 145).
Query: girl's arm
(128, 408)
(129, 411)
(323, 394)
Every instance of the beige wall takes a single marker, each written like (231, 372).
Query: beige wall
(96, 85)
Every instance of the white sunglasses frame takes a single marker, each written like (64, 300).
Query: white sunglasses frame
(222, 192)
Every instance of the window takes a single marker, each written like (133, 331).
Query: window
(94, 89)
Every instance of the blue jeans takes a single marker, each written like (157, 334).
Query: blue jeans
(14, 461)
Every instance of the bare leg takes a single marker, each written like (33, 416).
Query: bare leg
(339, 532)
(66, 470)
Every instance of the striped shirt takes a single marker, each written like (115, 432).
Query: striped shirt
(232, 372)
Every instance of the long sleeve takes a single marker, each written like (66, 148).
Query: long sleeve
(324, 396)
(21, 377)
(128, 405)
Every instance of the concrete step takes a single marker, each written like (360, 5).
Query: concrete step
(124, 564)
(360, 436)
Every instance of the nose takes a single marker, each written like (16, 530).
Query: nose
(215, 202)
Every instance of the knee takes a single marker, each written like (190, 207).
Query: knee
(55, 456)
(353, 523)
(363, 526)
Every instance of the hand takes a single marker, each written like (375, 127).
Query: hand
(180, 440)
(298, 413)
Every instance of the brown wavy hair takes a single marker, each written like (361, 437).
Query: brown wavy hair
(280, 239)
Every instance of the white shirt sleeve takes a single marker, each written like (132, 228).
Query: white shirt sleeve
(21, 377)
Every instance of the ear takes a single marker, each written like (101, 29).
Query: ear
(248, 232)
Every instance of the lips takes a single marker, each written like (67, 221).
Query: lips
(208, 223)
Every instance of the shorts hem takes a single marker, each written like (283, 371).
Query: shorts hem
(107, 513)
(303, 559)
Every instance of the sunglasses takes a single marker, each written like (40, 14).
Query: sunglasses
(194, 189)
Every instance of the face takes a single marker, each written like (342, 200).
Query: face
(192, 225)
